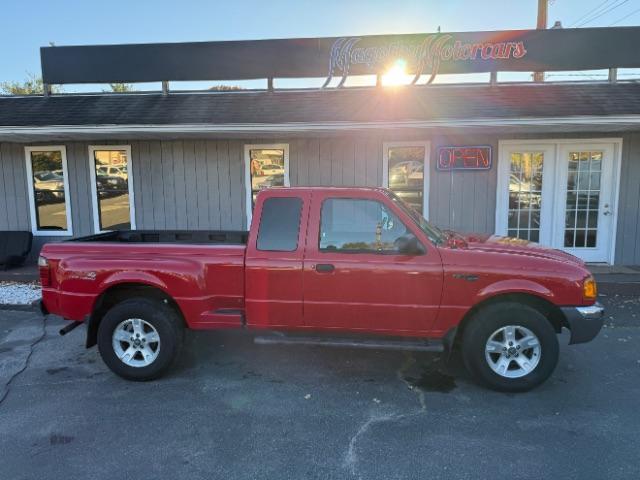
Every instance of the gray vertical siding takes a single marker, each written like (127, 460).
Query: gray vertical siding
(200, 184)
(463, 200)
(78, 172)
(335, 161)
(189, 184)
(628, 233)
(203, 193)
(14, 214)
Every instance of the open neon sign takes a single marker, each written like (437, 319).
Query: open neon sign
(464, 158)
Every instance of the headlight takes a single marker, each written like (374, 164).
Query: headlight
(589, 288)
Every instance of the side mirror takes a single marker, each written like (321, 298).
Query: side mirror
(409, 245)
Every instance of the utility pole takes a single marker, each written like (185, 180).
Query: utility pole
(541, 25)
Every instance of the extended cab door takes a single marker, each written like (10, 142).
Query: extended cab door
(273, 264)
(354, 275)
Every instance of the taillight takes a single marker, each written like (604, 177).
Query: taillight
(45, 271)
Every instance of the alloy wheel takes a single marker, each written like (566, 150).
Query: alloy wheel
(136, 342)
(513, 351)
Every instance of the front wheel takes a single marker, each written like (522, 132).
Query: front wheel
(510, 347)
(139, 338)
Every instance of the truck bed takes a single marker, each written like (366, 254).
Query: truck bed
(203, 270)
(200, 237)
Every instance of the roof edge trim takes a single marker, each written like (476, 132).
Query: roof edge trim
(322, 126)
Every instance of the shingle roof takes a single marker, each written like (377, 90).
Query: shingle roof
(420, 103)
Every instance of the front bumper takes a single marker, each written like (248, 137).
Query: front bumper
(584, 322)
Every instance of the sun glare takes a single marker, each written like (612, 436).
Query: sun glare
(397, 74)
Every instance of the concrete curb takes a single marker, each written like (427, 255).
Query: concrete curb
(18, 307)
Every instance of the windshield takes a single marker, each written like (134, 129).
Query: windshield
(434, 233)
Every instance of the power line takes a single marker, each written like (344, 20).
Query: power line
(592, 18)
(596, 15)
(625, 17)
(590, 12)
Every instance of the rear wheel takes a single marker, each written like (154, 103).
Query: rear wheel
(139, 338)
(510, 347)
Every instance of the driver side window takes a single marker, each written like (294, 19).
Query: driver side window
(359, 226)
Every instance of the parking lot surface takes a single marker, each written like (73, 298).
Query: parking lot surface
(231, 409)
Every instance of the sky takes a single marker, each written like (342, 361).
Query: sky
(28, 25)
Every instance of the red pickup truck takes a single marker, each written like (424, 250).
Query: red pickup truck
(352, 267)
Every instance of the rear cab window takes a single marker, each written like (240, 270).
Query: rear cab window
(280, 224)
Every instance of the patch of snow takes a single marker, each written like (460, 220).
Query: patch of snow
(16, 293)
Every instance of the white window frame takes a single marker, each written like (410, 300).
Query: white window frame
(32, 197)
(427, 168)
(502, 187)
(94, 189)
(247, 170)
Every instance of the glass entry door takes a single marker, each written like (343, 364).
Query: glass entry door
(526, 173)
(526, 177)
(584, 212)
(560, 195)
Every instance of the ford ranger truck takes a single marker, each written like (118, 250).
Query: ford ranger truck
(354, 267)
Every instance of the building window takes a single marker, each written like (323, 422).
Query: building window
(112, 191)
(405, 172)
(265, 166)
(359, 226)
(48, 189)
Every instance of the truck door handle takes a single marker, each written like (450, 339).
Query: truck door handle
(325, 268)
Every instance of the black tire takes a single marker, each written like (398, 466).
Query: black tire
(159, 315)
(491, 318)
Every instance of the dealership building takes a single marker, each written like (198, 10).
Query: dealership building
(555, 163)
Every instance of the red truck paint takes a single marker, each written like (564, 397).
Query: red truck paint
(216, 286)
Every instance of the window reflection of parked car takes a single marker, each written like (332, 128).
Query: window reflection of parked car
(527, 192)
(49, 187)
(404, 174)
(518, 185)
(416, 176)
(111, 171)
(273, 181)
(397, 178)
(271, 169)
(110, 186)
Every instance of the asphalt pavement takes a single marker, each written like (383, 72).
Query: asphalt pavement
(231, 409)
